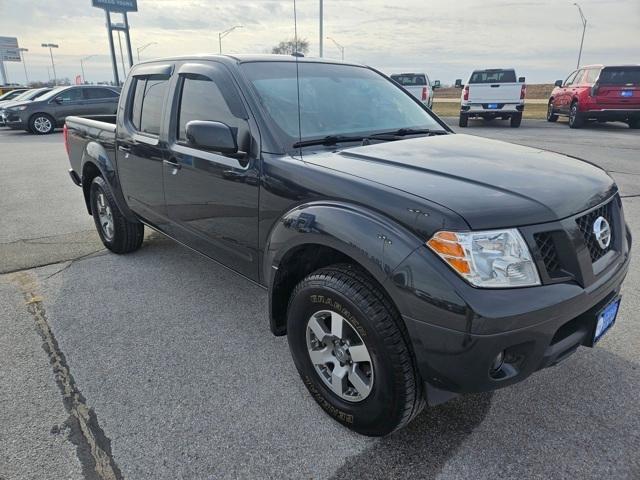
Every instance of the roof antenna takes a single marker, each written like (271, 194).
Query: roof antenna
(295, 41)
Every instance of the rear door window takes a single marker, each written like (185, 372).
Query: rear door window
(70, 95)
(493, 76)
(99, 93)
(410, 79)
(620, 76)
(148, 102)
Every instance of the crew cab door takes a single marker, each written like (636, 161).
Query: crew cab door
(139, 142)
(212, 198)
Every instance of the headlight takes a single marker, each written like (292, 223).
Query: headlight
(18, 109)
(489, 259)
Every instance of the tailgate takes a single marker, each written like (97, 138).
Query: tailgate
(619, 87)
(495, 92)
(416, 91)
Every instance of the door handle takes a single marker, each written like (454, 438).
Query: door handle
(173, 163)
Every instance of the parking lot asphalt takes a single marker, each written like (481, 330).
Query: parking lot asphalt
(160, 364)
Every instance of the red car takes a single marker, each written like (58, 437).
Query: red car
(596, 92)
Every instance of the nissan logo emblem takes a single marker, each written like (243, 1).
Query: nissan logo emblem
(602, 232)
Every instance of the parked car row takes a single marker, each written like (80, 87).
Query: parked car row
(594, 92)
(41, 111)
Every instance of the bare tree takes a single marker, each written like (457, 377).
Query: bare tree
(287, 47)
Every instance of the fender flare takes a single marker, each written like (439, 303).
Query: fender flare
(377, 243)
(96, 156)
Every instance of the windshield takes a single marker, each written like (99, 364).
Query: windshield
(410, 79)
(493, 76)
(336, 100)
(31, 94)
(620, 76)
(12, 94)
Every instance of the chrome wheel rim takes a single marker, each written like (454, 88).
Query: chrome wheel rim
(339, 355)
(42, 124)
(105, 216)
(572, 114)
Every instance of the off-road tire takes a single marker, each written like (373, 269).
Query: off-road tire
(464, 120)
(396, 395)
(127, 236)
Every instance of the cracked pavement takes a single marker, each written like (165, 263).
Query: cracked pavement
(160, 364)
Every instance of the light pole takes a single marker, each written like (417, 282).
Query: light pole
(140, 49)
(82, 60)
(584, 28)
(340, 47)
(221, 35)
(53, 65)
(321, 26)
(24, 64)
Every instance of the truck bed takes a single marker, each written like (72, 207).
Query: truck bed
(99, 130)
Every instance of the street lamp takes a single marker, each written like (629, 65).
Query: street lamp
(140, 49)
(82, 60)
(340, 47)
(24, 64)
(221, 35)
(584, 28)
(53, 65)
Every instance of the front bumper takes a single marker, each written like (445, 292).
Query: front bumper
(457, 331)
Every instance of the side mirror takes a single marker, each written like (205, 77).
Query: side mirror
(215, 136)
(458, 83)
(520, 79)
(59, 100)
(436, 84)
(558, 83)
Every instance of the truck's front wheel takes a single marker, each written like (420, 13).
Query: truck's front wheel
(116, 232)
(351, 350)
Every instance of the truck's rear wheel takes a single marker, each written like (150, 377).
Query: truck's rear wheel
(116, 232)
(464, 120)
(516, 120)
(351, 350)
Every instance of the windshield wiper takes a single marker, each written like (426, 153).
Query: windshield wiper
(328, 140)
(403, 132)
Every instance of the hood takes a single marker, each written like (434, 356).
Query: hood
(15, 104)
(491, 184)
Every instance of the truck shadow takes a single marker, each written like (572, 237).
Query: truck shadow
(579, 420)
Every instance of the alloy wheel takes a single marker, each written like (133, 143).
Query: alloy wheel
(42, 125)
(339, 356)
(106, 216)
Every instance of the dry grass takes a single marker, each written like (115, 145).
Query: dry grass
(540, 90)
(449, 109)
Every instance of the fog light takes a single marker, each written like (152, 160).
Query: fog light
(497, 362)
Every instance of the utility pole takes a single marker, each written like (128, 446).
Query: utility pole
(321, 27)
(584, 28)
(340, 47)
(53, 65)
(221, 35)
(140, 49)
(24, 64)
(127, 38)
(124, 72)
(82, 60)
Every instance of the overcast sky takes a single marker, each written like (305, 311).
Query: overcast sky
(445, 38)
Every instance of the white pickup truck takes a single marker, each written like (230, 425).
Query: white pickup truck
(492, 93)
(418, 85)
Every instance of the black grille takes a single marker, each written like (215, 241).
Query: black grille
(548, 252)
(585, 224)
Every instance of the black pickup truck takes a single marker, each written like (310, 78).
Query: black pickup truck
(406, 264)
